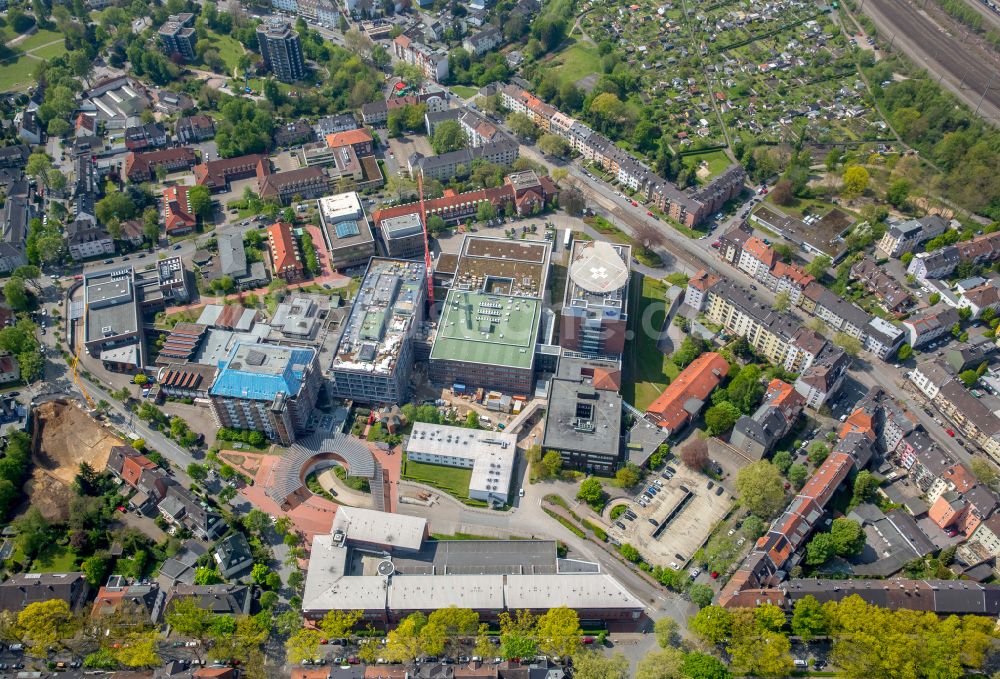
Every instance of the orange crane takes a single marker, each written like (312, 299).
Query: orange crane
(427, 246)
(76, 360)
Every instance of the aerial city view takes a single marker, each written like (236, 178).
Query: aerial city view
(499, 339)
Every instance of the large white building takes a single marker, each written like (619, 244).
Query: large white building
(489, 454)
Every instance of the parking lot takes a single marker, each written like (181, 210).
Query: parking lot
(676, 520)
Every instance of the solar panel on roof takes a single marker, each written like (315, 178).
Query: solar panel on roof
(348, 228)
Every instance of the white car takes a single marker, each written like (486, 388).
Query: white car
(694, 573)
(520, 493)
(674, 565)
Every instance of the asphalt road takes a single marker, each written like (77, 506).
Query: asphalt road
(943, 54)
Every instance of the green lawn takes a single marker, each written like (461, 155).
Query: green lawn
(17, 75)
(229, 48)
(717, 161)
(464, 91)
(50, 52)
(578, 61)
(648, 371)
(53, 559)
(453, 480)
(38, 39)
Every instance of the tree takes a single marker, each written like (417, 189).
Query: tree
(782, 193)
(572, 201)
(848, 536)
(116, 205)
(701, 594)
(522, 125)
(337, 623)
(820, 549)
(667, 632)
(721, 417)
(760, 488)
(436, 224)
(591, 492)
(754, 527)
(485, 211)
(818, 452)
(139, 650)
(629, 552)
(808, 619)
(551, 464)
(984, 471)
(855, 180)
(904, 353)
(207, 576)
(32, 533)
(782, 460)
(703, 666)
(628, 476)
(16, 294)
(45, 624)
(817, 268)
(200, 200)
(765, 654)
(662, 664)
(448, 136)
(968, 377)
(303, 645)
(897, 192)
(694, 454)
(554, 145)
(797, 475)
(850, 345)
(781, 301)
(96, 568)
(483, 647)
(455, 624)
(591, 665)
(558, 632)
(712, 624)
(403, 644)
(865, 487)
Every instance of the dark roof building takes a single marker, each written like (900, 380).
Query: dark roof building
(23, 589)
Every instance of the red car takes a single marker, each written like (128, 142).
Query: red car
(950, 433)
(648, 213)
(588, 640)
(635, 204)
(714, 575)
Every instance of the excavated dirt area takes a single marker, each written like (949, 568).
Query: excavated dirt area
(64, 436)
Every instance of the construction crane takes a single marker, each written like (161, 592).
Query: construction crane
(76, 360)
(427, 246)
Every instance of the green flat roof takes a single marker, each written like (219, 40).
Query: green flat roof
(492, 329)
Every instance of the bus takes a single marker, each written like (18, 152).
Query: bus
(567, 239)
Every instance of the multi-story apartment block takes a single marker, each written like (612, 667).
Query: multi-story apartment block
(190, 129)
(928, 326)
(433, 62)
(820, 381)
(932, 265)
(281, 49)
(776, 335)
(268, 388)
(178, 36)
(904, 237)
(377, 112)
(447, 166)
(877, 335)
(483, 41)
(286, 261)
(892, 295)
(375, 354)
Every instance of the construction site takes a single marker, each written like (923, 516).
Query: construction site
(63, 437)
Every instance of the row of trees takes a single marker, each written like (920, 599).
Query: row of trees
(447, 630)
(868, 641)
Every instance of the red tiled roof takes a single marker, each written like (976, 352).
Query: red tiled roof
(215, 173)
(824, 482)
(760, 251)
(284, 253)
(961, 477)
(348, 138)
(703, 280)
(695, 382)
(177, 210)
(610, 380)
(792, 272)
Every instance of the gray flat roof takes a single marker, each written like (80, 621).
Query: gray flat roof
(491, 557)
